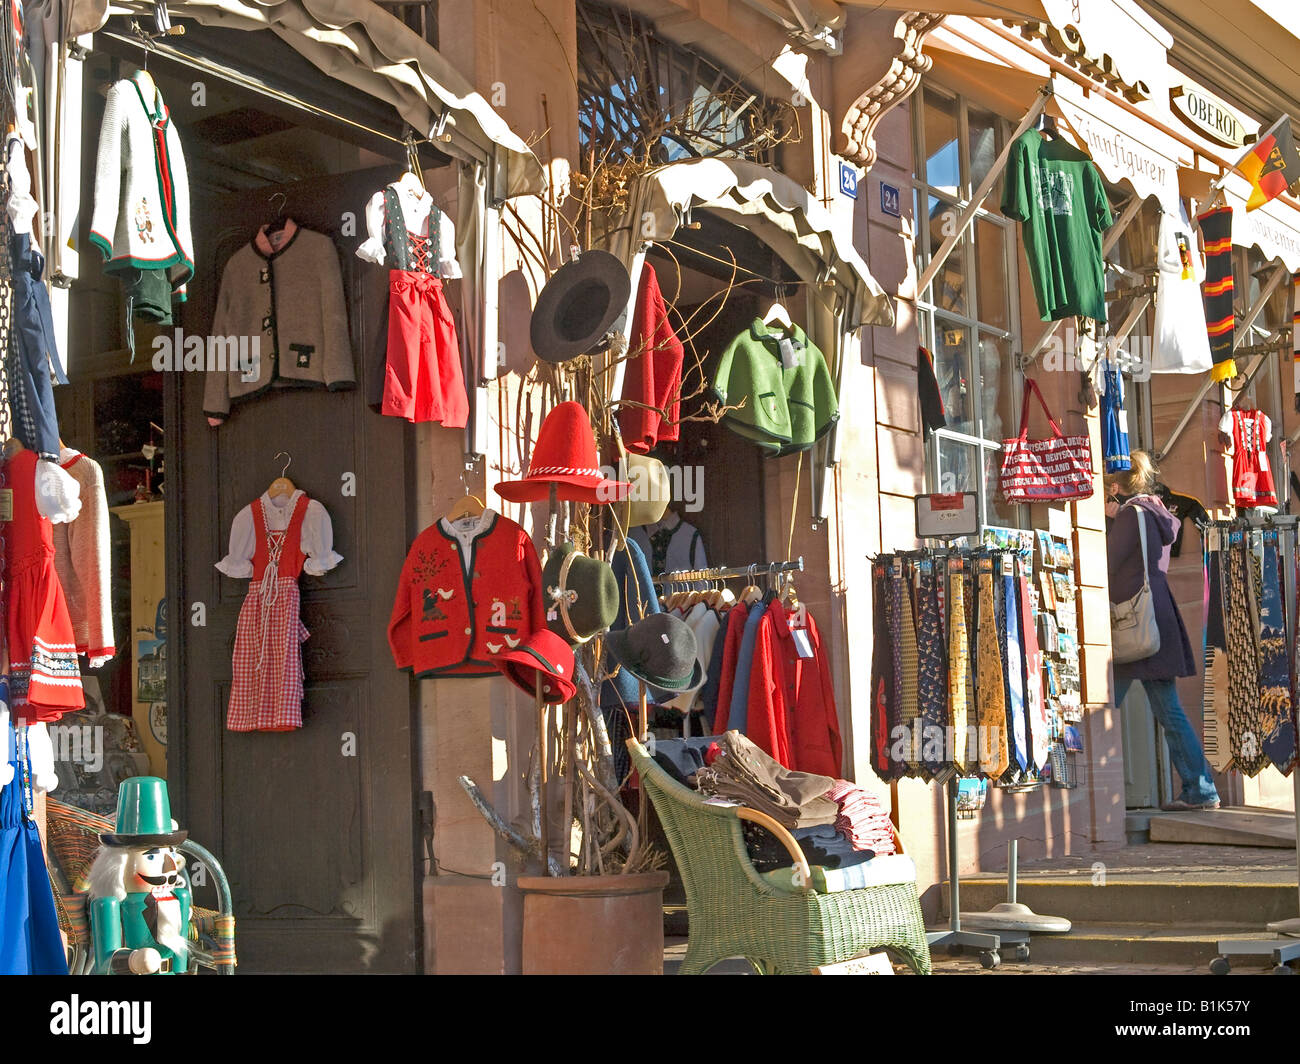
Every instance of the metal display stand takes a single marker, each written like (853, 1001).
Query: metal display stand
(1013, 920)
(1285, 947)
(955, 938)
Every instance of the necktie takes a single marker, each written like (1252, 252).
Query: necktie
(992, 701)
(895, 591)
(908, 708)
(1015, 670)
(1040, 739)
(1245, 736)
(932, 686)
(958, 661)
(1277, 713)
(1215, 728)
(882, 660)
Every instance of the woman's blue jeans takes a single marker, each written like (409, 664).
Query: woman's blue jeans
(1184, 748)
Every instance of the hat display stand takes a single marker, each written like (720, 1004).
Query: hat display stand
(1014, 921)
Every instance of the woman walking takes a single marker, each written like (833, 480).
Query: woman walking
(1131, 500)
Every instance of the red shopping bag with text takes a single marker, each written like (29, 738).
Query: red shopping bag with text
(1048, 470)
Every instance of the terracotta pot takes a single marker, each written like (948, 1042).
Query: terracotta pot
(594, 925)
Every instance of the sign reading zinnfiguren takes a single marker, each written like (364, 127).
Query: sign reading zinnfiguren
(1207, 116)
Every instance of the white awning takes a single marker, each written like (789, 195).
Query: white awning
(1125, 149)
(1273, 228)
(360, 44)
(776, 210)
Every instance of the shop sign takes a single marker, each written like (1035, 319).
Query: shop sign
(848, 180)
(948, 515)
(891, 202)
(1066, 42)
(1207, 116)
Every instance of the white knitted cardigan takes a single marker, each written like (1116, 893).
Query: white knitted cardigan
(142, 196)
(83, 561)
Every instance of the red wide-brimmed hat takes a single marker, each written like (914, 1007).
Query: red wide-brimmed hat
(565, 455)
(545, 656)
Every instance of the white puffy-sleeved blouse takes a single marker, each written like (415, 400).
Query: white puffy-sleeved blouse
(317, 537)
(417, 210)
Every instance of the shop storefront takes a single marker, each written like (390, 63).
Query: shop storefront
(767, 259)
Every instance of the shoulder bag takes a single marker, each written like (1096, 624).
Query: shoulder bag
(1053, 469)
(1134, 634)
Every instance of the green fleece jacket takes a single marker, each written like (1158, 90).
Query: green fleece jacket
(788, 403)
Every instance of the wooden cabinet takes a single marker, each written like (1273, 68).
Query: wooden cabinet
(148, 635)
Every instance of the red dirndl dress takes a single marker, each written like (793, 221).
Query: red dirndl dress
(266, 691)
(44, 675)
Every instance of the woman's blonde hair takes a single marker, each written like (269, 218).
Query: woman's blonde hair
(1140, 478)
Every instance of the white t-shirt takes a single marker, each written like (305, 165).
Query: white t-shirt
(1180, 343)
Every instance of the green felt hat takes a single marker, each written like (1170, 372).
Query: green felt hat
(144, 815)
(659, 649)
(580, 594)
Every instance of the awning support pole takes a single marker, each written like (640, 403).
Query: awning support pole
(1113, 234)
(1261, 352)
(1266, 293)
(995, 171)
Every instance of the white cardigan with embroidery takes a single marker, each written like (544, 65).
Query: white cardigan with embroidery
(142, 197)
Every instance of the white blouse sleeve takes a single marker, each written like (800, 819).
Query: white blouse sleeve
(448, 267)
(318, 540)
(238, 561)
(58, 496)
(372, 250)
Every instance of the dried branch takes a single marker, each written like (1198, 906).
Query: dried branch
(529, 848)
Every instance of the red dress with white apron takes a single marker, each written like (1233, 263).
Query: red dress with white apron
(44, 676)
(423, 378)
(266, 691)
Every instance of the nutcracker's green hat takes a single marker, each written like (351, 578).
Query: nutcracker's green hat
(144, 815)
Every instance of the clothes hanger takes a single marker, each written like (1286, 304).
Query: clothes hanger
(467, 506)
(277, 226)
(282, 485)
(751, 593)
(777, 314)
(1047, 126)
(413, 180)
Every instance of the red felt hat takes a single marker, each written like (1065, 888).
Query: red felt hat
(542, 654)
(565, 455)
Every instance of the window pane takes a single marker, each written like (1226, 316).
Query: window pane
(991, 267)
(948, 290)
(952, 368)
(984, 148)
(939, 142)
(958, 466)
(997, 389)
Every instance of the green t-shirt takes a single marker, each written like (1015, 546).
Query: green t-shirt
(1056, 191)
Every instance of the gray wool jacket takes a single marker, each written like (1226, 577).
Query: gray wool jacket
(281, 321)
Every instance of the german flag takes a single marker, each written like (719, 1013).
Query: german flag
(1271, 165)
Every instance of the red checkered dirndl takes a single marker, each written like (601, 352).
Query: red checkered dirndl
(266, 694)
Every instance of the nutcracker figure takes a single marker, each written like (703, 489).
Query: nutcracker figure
(139, 893)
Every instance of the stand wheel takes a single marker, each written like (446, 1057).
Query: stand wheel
(954, 950)
(1022, 952)
(990, 959)
(1220, 966)
(1284, 969)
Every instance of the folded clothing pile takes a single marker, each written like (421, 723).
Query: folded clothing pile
(743, 773)
(862, 819)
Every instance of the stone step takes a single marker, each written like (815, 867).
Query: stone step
(1140, 944)
(1169, 902)
(1226, 827)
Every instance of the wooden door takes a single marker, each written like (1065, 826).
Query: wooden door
(314, 827)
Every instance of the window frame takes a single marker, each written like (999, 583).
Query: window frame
(928, 313)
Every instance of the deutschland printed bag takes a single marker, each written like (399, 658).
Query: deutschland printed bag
(1048, 470)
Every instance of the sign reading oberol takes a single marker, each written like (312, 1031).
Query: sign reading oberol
(1207, 116)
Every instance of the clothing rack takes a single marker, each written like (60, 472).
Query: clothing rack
(734, 572)
(1286, 945)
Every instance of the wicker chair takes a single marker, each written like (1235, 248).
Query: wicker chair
(735, 912)
(73, 836)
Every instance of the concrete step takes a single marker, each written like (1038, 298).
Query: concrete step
(1226, 827)
(1169, 902)
(1141, 944)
